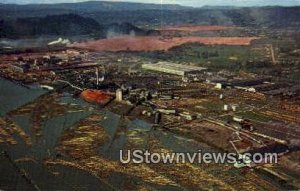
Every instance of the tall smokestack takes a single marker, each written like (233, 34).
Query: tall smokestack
(97, 76)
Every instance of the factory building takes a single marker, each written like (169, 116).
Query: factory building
(173, 68)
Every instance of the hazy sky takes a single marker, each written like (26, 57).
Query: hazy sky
(195, 3)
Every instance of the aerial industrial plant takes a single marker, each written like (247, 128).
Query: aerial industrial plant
(83, 82)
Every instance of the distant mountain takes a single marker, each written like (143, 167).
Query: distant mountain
(66, 25)
(139, 14)
(199, 3)
(249, 16)
(251, 3)
(219, 7)
(265, 16)
(92, 6)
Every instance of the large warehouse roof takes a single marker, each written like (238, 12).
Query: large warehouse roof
(173, 68)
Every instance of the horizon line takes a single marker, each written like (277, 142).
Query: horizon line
(130, 2)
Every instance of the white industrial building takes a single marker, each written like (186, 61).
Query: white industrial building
(173, 68)
(119, 95)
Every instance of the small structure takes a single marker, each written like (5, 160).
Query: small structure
(188, 116)
(237, 119)
(221, 96)
(95, 96)
(218, 86)
(168, 111)
(119, 95)
(251, 89)
(225, 107)
(166, 97)
(234, 107)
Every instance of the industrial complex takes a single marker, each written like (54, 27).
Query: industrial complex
(155, 106)
(69, 107)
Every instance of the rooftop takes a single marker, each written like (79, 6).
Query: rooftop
(173, 66)
(169, 67)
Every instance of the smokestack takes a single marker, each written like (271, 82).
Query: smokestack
(97, 76)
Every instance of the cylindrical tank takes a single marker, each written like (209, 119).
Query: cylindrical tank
(119, 95)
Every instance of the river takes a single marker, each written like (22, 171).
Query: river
(14, 95)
